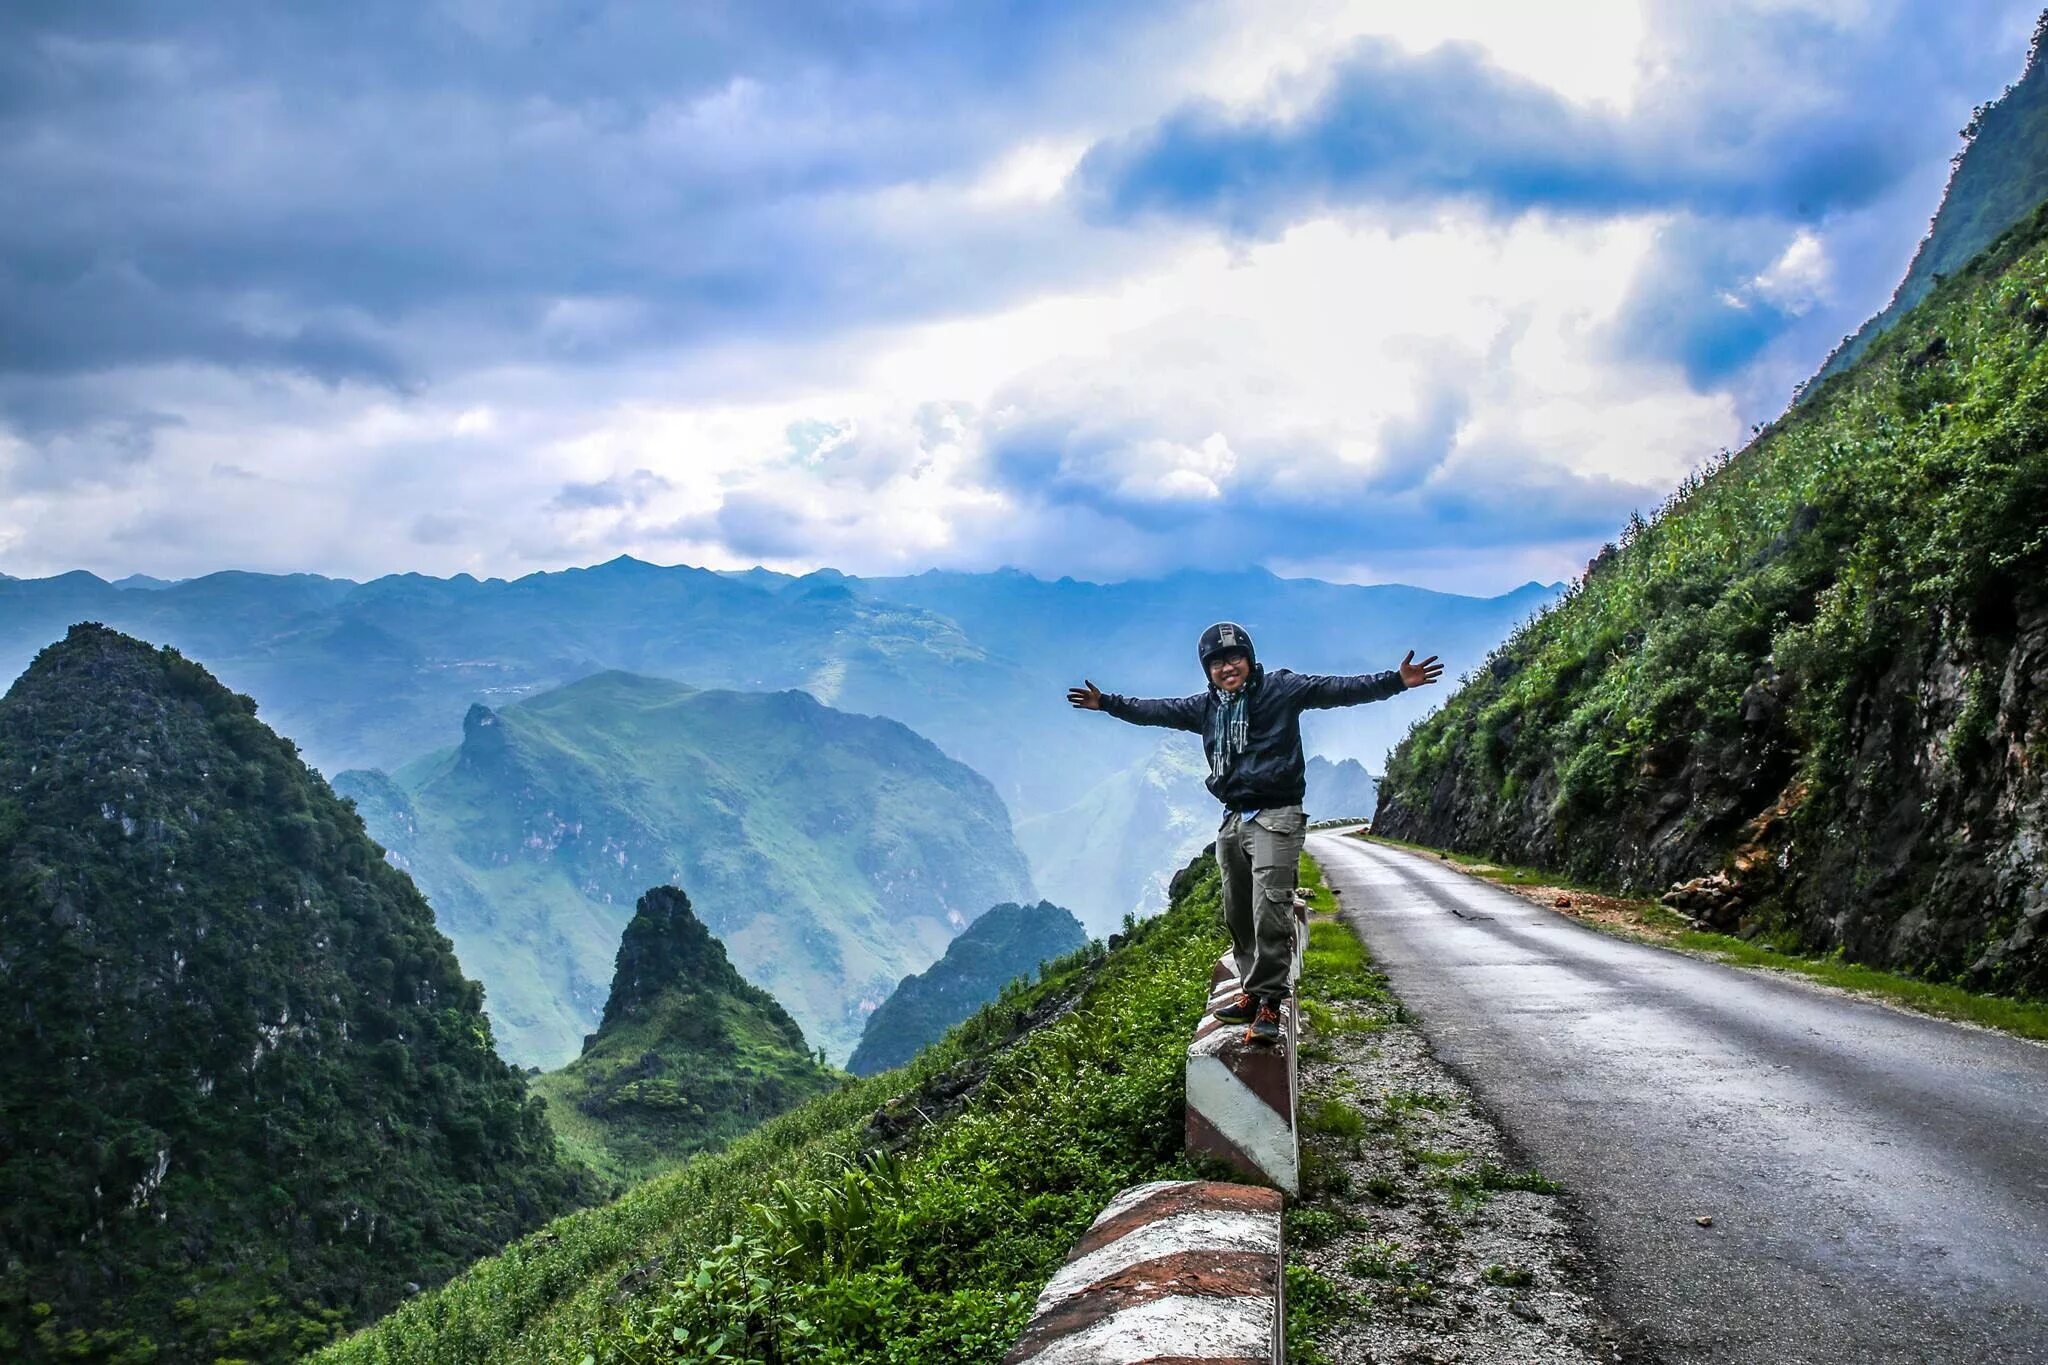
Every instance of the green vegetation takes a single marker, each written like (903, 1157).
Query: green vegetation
(1008, 942)
(1815, 671)
(1472, 1187)
(1313, 1302)
(831, 853)
(1381, 1230)
(246, 1094)
(2026, 1018)
(689, 1056)
(918, 1234)
(2000, 175)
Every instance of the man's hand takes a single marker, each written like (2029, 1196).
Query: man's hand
(1412, 674)
(1088, 698)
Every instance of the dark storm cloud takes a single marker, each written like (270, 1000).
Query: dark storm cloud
(381, 191)
(1785, 115)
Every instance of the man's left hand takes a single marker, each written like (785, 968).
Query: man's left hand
(1420, 674)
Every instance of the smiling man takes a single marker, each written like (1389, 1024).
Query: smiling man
(1250, 723)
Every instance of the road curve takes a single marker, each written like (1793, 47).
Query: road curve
(1878, 1181)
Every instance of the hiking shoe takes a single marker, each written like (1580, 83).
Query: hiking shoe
(1265, 1025)
(1238, 1011)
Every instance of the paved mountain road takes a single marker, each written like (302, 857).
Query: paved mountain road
(1878, 1181)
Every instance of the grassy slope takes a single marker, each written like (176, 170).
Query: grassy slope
(938, 1258)
(1999, 178)
(1741, 640)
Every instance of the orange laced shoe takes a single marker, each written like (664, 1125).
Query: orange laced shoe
(1265, 1025)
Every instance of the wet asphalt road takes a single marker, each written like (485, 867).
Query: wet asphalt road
(1878, 1180)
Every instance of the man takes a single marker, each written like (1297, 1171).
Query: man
(1250, 723)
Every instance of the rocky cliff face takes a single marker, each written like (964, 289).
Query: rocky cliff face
(1810, 698)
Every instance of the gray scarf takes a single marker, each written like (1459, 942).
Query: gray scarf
(1229, 730)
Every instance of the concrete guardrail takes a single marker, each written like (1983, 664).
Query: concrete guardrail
(1176, 1270)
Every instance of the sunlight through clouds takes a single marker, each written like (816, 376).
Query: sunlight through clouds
(1432, 292)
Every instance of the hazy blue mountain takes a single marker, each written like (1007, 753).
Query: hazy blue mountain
(1341, 790)
(1002, 946)
(831, 853)
(1139, 638)
(1112, 852)
(368, 675)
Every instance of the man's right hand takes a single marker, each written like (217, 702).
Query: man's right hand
(1088, 698)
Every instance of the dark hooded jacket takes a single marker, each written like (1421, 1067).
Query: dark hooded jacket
(1272, 770)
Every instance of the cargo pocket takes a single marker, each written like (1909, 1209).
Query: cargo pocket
(1283, 820)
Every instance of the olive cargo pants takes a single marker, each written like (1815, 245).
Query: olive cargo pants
(1261, 859)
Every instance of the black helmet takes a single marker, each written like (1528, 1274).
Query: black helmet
(1223, 637)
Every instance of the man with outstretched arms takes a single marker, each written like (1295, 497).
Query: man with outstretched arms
(1250, 723)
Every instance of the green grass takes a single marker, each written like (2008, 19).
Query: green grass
(1652, 914)
(2022, 1018)
(1335, 965)
(790, 1238)
(1332, 1118)
(1314, 1303)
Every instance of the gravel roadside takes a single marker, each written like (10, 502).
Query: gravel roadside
(1419, 1238)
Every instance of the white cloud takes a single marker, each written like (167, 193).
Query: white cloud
(1798, 279)
(905, 346)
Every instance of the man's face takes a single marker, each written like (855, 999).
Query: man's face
(1230, 669)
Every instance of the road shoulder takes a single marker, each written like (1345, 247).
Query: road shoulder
(1647, 921)
(1418, 1237)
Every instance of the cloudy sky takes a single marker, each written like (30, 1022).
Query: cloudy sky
(1372, 291)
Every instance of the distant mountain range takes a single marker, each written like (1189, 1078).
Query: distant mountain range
(1114, 851)
(688, 1055)
(370, 675)
(1343, 790)
(247, 1097)
(832, 853)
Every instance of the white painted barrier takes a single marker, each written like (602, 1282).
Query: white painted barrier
(1242, 1096)
(1179, 1270)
